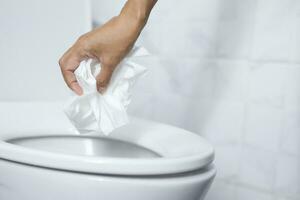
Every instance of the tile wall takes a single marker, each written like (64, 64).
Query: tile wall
(229, 71)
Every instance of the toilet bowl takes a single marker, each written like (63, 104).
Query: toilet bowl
(41, 157)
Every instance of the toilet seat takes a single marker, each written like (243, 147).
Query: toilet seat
(180, 151)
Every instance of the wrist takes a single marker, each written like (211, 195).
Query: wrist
(134, 21)
(138, 11)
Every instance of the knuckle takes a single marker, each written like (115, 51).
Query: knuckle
(82, 42)
(82, 38)
(61, 62)
(108, 63)
(102, 82)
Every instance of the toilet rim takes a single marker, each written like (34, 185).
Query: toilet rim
(108, 165)
(181, 150)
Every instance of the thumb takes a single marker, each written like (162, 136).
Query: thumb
(103, 78)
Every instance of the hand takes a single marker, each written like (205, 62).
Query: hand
(109, 44)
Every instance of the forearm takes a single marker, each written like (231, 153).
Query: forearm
(138, 11)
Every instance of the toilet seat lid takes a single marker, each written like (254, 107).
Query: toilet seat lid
(179, 150)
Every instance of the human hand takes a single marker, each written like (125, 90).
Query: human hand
(109, 44)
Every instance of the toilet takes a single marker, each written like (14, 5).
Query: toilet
(42, 157)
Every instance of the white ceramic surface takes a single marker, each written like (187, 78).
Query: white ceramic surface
(25, 182)
(30, 173)
(180, 150)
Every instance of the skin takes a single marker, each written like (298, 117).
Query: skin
(109, 44)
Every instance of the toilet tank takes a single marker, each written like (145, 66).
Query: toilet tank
(33, 36)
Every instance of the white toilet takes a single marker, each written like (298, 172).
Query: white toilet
(41, 157)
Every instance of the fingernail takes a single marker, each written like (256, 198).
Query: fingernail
(77, 90)
(79, 93)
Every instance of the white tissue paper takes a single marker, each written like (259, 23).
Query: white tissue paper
(93, 111)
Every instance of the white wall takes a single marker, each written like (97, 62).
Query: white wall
(33, 36)
(230, 71)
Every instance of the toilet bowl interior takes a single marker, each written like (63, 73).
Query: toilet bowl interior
(85, 146)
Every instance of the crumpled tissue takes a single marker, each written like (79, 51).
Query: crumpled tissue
(103, 113)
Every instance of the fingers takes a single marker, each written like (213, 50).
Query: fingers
(103, 78)
(71, 81)
(68, 64)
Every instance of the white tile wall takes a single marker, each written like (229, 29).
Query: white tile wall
(182, 76)
(257, 168)
(227, 162)
(234, 38)
(222, 190)
(244, 193)
(275, 23)
(266, 83)
(231, 80)
(235, 28)
(33, 36)
(194, 10)
(211, 122)
(292, 85)
(263, 126)
(295, 38)
(196, 36)
(287, 182)
(290, 140)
